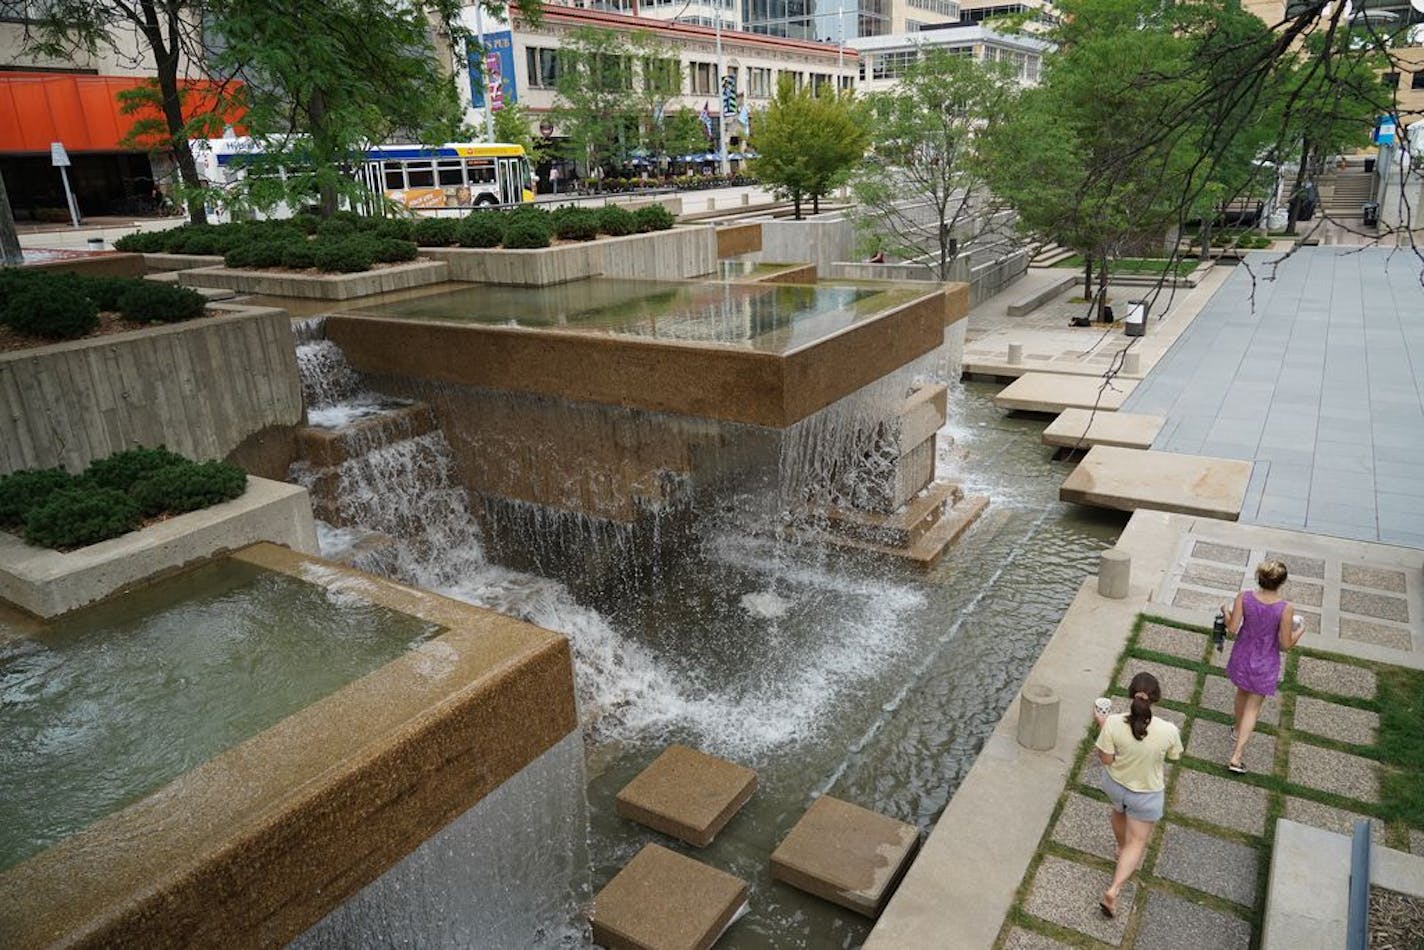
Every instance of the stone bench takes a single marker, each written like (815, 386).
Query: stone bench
(1030, 302)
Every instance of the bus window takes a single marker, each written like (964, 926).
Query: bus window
(450, 173)
(420, 175)
(395, 176)
(481, 171)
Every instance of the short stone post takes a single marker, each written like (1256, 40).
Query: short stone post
(1132, 364)
(1114, 573)
(746, 198)
(1015, 354)
(711, 204)
(1038, 717)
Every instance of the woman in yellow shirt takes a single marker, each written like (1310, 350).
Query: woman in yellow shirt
(1133, 746)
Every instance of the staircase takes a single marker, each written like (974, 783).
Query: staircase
(1344, 193)
(1049, 255)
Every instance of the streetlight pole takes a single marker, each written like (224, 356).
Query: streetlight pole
(484, 73)
(722, 163)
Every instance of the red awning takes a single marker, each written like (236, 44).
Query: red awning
(80, 111)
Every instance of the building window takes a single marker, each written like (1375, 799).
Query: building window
(543, 66)
(1417, 81)
(758, 82)
(892, 65)
(1391, 80)
(846, 83)
(819, 81)
(702, 78)
(662, 76)
(948, 8)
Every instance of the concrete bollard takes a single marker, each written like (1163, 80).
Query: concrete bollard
(711, 204)
(1038, 717)
(1132, 364)
(746, 198)
(1114, 573)
(1015, 354)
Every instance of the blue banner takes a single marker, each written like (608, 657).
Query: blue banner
(498, 72)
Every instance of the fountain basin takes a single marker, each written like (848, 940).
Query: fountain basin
(260, 841)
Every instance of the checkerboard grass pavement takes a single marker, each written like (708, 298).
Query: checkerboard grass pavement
(1343, 739)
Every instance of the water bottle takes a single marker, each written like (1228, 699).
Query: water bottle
(1218, 631)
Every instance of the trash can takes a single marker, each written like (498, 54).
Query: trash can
(1135, 323)
(96, 244)
(1369, 164)
(1370, 212)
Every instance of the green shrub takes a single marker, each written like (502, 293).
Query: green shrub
(307, 223)
(106, 291)
(393, 250)
(123, 470)
(481, 229)
(397, 228)
(434, 232)
(75, 517)
(617, 221)
(299, 255)
(336, 228)
(161, 303)
(142, 242)
(524, 232)
(200, 239)
(654, 218)
(578, 224)
(58, 311)
(258, 252)
(21, 491)
(345, 256)
(189, 487)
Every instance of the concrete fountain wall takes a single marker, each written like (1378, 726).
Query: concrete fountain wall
(257, 845)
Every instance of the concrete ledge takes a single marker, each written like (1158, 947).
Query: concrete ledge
(1000, 368)
(48, 583)
(257, 844)
(1129, 479)
(794, 274)
(1308, 895)
(319, 286)
(163, 263)
(1030, 302)
(659, 255)
(1054, 392)
(94, 264)
(1082, 427)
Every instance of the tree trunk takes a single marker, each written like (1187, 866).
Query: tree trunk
(796, 204)
(326, 191)
(165, 59)
(1103, 288)
(816, 203)
(10, 253)
(1087, 277)
(1294, 206)
(1205, 238)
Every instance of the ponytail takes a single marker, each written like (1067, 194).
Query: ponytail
(1145, 691)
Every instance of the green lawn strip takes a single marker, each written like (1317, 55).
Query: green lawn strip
(1136, 265)
(1145, 879)
(1018, 917)
(1280, 785)
(1169, 659)
(1354, 701)
(1169, 622)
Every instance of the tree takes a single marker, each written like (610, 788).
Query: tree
(10, 253)
(807, 144)
(925, 137)
(511, 124)
(171, 33)
(325, 81)
(609, 84)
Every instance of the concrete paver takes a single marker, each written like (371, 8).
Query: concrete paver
(1067, 893)
(1333, 721)
(1228, 803)
(1020, 939)
(1330, 818)
(1212, 741)
(1381, 634)
(1378, 606)
(1083, 824)
(1176, 683)
(1083, 428)
(1216, 577)
(1379, 578)
(1342, 679)
(1218, 693)
(1208, 863)
(1129, 479)
(1221, 553)
(1054, 392)
(1336, 772)
(1175, 641)
(1171, 923)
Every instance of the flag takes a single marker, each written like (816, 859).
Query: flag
(745, 117)
(658, 114)
(706, 116)
(729, 96)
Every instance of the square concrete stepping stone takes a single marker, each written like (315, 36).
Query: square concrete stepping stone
(1380, 634)
(1177, 683)
(1187, 644)
(1299, 566)
(1171, 923)
(846, 854)
(1214, 865)
(1212, 741)
(1084, 428)
(687, 794)
(664, 900)
(1379, 578)
(1220, 694)
(1341, 723)
(1221, 553)
(1342, 679)
(1020, 939)
(1229, 803)
(1129, 479)
(1215, 576)
(1066, 893)
(1084, 824)
(1303, 593)
(1370, 604)
(1330, 818)
(1207, 601)
(1337, 772)
(1054, 392)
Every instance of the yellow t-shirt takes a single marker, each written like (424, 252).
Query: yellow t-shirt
(1138, 765)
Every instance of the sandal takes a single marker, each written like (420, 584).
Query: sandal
(1238, 767)
(1106, 910)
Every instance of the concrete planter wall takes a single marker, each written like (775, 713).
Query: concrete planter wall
(661, 255)
(163, 263)
(820, 240)
(319, 286)
(48, 583)
(200, 388)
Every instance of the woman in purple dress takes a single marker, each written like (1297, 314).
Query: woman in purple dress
(1261, 620)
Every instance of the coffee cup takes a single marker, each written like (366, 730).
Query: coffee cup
(1103, 705)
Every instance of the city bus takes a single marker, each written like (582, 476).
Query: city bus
(444, 179)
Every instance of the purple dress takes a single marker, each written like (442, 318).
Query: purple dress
(1255, 663)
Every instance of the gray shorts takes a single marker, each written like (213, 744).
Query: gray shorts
(1139, 806)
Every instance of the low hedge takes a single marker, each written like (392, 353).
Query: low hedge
(616, 221)
(57, 312)
(654, 218)
(526, 232)
(481, 229)
(577, 224)
(435, 232)
(149, 302)
(50, 507)
(66, 306)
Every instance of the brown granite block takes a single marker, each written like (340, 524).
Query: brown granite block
(687, 794)
(662, 900)
(846, 854)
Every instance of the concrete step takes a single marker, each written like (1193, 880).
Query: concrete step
(899, 529)
(1030, 302)
(931, 545)
(328, 448)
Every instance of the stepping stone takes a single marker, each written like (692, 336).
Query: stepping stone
(1303, 593)
(1212, 741)
(1380, 578)
(1207, 601)
(1131, 479)
(1380, 634)
(1228, 580)
(1084, 428)
(1369, 604)
(1337, 772)
(1229, 803)
(1341, 723)
(1220, 694)
(1342, 679)
(686, 794)
(1221, 553)
(1297, 565)
(846, 854)
(1171, 923)
(1330, 818)
(1084, 824)
(1054, 392)
(1177, 683)
(1066, 893)
(662, 900)
(1028, 940)
(1187, 644)
(1214, 865)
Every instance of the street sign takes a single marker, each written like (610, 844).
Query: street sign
(58, 157)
